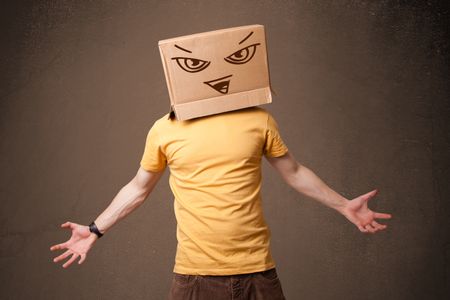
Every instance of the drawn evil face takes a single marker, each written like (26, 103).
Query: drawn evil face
(216, 71)
(195, 64)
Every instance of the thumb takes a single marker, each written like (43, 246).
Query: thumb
(367, 196)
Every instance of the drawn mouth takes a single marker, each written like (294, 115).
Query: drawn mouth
(220, 84)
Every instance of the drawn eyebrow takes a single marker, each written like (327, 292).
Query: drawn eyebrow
(183, 49)
(246, 38)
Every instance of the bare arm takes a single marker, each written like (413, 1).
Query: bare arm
(130, 197)
(308, 183)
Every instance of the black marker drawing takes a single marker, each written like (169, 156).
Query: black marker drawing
(243, 55)
(246, 38)
(220, 84)
(191, 65)
(183, 49)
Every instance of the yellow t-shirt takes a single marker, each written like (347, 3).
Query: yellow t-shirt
(215, 177)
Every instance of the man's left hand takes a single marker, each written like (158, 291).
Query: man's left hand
(357, 212)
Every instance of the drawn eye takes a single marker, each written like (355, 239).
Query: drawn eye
(191, 65)
(242, 56)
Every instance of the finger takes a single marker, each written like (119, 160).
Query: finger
(67, 224)
(369, 195)
(82, 258)
(71, 260)
(362, 229)
(62, 256)
(378, 226)
(58, 246)
(370, 228)
(382, 216)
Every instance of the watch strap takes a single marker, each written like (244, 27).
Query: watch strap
(93, 228)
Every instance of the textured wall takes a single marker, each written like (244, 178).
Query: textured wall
(362, 99)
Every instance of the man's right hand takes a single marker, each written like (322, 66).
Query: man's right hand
(127, 199)
(79, 243)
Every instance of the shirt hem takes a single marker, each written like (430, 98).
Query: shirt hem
(278, 153)
(150, 168)
(225, 271)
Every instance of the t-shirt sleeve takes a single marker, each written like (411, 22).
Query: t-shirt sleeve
(153, 158)
(274, 145)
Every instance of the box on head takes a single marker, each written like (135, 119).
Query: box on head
(216, 71)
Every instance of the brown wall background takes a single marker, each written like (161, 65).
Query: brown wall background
(362, 99)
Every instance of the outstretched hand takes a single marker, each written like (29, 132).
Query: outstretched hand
(79, 243)
(357, 212)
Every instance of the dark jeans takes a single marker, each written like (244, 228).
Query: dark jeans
(253, 286)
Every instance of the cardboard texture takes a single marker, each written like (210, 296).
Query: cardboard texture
(216, 71)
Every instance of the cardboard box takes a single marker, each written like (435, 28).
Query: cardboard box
(216, 71)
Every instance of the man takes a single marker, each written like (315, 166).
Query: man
(223, 247)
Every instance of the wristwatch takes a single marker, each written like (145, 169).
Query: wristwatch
(93, 228)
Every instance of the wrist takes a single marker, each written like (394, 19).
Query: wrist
(93, 237)
(342, 206)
